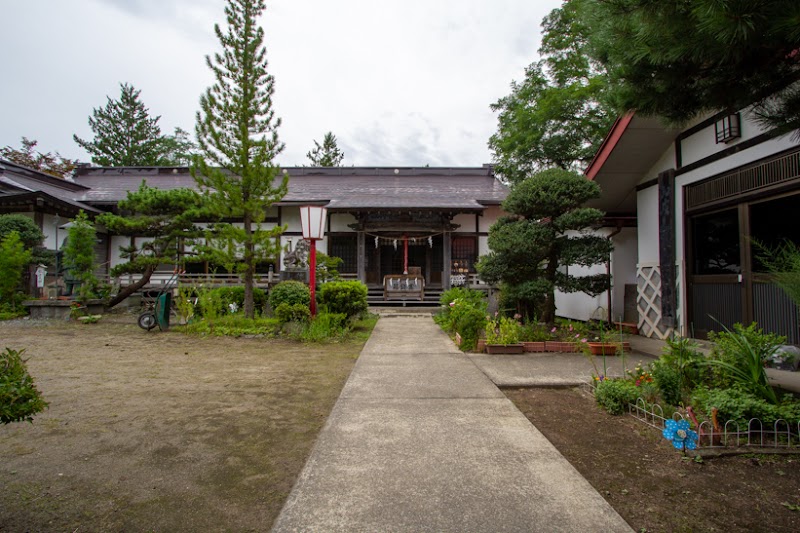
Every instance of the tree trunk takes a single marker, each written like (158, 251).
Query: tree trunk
(549, 311)
(249, 307)
(130, 289)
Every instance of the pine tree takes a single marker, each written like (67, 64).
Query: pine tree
(677, 59)
(125, 134)
(327, 154)
(238, 139)
(165, 217)
(544, 233)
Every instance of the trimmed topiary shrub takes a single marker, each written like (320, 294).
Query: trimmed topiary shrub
(289, 292)
(19, 397)
(347, 297)
(614, 395)
(287, 312)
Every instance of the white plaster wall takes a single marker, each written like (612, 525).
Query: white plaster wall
(704, 143)
(466, 222)
(647, 214)
(665, 162)
(483, 245)
(290, 216)
(624, 259)
(490, 216)
(579, 305)
(340, 221)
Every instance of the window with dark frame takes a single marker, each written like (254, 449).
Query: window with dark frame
(346, 248)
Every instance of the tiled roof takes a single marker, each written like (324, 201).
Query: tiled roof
(341, 187)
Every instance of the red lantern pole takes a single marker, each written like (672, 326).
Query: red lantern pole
(312, 266)
(405, 254)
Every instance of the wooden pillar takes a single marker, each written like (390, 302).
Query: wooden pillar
(447, 254)
(361, 258)
(666, 245)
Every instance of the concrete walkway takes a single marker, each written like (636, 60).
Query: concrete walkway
(421, 440)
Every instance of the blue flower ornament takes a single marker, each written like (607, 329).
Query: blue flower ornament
(681, 436)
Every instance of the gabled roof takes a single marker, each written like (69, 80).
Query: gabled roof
(630, 150)
(341, 188)
(21, 186)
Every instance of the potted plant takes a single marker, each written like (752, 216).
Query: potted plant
(607, 342)
(502, 336)
(534, 337)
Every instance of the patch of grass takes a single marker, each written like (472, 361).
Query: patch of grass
(234, 326)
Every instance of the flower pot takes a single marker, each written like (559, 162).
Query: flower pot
(536, 347)
(505, 348)
(560, 347)
(480, 346)
(608, 348)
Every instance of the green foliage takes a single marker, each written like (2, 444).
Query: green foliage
(166, 218)
(614, 395)
(13, 258)
(19, 397)
(502, 330)
(326, 327)
(327, 267)
(125, 134)
(327, 154)
(237, 134)
(529, 246)
(557, 116)
(287, 312)
(677, 59)
(234, 325)
(463, 311)
(348, 297)
(739, 357)
(535, 332)
(49, 163)
(471, 296)
(740, 406)
(668, 381)
(783, 262)
(30, 234)
(683, 359)
(79, 256)
(219, 301)
(290, 292)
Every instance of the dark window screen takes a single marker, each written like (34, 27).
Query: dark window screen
(346, 248)
(715, 242)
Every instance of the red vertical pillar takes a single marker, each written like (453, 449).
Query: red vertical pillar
(312, 267)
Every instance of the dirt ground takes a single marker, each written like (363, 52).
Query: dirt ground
(650, 484)
(162, 431)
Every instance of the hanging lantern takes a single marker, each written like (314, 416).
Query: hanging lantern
(376, 242)
(394, 243)
(430, 242)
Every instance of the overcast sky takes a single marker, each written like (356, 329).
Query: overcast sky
(400, 82)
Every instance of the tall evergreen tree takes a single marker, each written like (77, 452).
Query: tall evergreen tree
(165, 218)
(49, 163)
(327, 154)
(557, 116)
(126, 135)
(543, 234)
(677, 59)
(238, 139)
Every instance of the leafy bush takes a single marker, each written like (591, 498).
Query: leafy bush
(328, 267)
(683, 355)
(13, 257)
(19, 397)
(469, 321)
(739, 357)
(289, 292)
(668, 381)
(287, 312)
(614, 395)
(347, 297)
(326, 327)
(464, 294)
(502, 330)
(535, 332)
(740, 406)
(234, 326)
(218, 301)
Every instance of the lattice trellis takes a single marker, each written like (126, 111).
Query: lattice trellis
(648, 301)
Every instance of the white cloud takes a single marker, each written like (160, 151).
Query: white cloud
(399, 83)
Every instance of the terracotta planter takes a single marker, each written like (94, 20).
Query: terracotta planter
(626, 327)
(480, 346)
(561, 347)
(608, 348)
(505, 348)
(536, 347)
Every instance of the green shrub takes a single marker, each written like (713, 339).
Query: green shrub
(19, 397)
(287, 312)
(347, 297)
(469, 322)
(326, 327)
(614, 395)
(13, 257)
(683, 356)
(740, 406)
(739, 357)
(668, 381)
(289, 292)
(234, 326)
(535, 332)
(464, 294)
